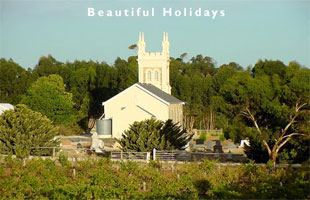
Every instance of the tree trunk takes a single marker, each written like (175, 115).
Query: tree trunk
(192, 122)
(211, 119)
(189, 123)
(273, 157)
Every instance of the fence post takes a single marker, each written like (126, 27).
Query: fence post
(148, 155)
(53, 152)
(144, 186)
(121, 155)
(217, 154)
(154, 154)
(229, 156)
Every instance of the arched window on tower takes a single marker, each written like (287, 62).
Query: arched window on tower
(156, 75)
(149, 76)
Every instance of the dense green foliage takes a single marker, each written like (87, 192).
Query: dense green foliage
(14, 81)
(103, 179)
(48, 96)
(268, 101)
(215, 96)
(23, 131)
(148, 134)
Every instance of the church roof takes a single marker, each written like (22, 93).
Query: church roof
(161, 94)
(154, 91)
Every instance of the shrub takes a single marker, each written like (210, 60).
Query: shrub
(149, 134)
(203, 136)
(63, 159)
(222, 137)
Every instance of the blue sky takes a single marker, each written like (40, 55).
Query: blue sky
(251, 30)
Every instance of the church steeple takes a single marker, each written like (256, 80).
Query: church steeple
(154, 66)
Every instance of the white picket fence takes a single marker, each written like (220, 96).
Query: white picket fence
(147, 156)
(135, 156)
(173, 156)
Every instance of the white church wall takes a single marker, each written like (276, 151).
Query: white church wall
(133, 105)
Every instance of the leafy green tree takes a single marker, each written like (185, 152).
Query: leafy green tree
(184, 80)
(105, 88)
(82, 81)
(47, 65)
(223, 73)
(14, 81)
(48, 96)
(149, 134)
(269, 67)
(127, 72)
(22, 131)
(273, 108)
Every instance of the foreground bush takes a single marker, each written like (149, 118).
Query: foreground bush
(110, 180)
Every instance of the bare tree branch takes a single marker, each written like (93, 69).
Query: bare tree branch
(299, 107)
(288, 138)
(245, 114)
(292, 134)
(251, 116)
(292, 121)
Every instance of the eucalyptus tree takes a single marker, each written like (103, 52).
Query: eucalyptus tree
(272, 104)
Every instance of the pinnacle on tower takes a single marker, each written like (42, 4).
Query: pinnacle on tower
(141, 37)
(165, 43)
(165, 36)
(141, 43)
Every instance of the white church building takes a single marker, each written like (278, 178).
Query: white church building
(150, 97)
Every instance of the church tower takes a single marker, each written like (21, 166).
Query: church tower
(154, 66)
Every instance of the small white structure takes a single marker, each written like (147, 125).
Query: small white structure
(149, 98)
(5, 106)
(97, 144)
(244, 142)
